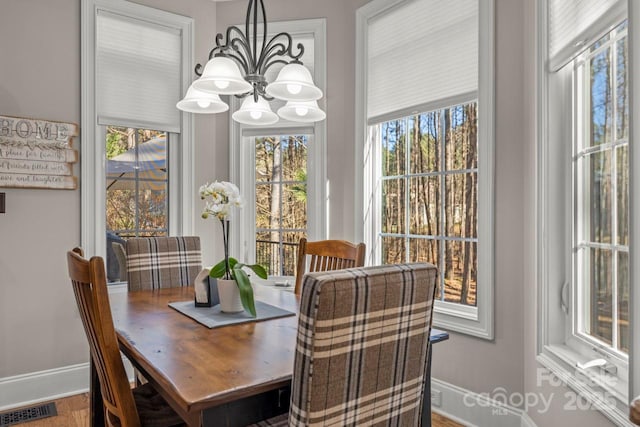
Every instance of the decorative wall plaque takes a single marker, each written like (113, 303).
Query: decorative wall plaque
(37, 154)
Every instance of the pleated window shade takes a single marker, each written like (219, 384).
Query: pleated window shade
(421, 54)
(138, 73)
(574, 25)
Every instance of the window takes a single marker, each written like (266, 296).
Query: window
(601, 194)
(280, 201)
(429, 196)
(136, 64)
(583, 203)
(280, 170)
(425, 127)
(137, 181)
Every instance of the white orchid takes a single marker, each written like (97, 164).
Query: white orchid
(220, 198)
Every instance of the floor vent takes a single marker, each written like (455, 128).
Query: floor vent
(28, 414)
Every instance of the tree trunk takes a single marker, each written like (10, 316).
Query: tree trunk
(468, 201)
(276, 191)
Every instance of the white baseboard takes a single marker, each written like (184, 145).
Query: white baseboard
(44, 386)
(460, 405)
(35, 387)
(473, 410)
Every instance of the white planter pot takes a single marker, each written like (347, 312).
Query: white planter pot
(230, 301)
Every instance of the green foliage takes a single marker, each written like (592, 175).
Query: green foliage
(116, 144)
(242, 280)
(300, 190)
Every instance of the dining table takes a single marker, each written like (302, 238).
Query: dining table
(232, 375)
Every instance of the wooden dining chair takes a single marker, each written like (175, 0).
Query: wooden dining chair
(362, 347)
(123, 406)
(634, 411)
(162, 262)
(326, 255)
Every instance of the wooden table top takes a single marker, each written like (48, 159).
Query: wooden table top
(195, 367)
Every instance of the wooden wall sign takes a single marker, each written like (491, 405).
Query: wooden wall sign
(37, 154)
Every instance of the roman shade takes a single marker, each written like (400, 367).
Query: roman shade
(421, 55)
(574, 25)
(138, 73)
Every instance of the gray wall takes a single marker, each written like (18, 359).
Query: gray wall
(40, 78)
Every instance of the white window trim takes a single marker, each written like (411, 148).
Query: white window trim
(181, 161)
(634, 230)
(473, 321)
(242, 239)
(557, 348)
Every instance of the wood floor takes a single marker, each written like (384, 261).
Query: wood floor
(74, 412)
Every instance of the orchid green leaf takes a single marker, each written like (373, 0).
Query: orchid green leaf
(246, 291)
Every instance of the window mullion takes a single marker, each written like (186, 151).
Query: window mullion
(136, 172)
(614, 199)
(443, 202)
(407, 192)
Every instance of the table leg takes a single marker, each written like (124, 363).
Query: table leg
(96, 408)
(426, 402)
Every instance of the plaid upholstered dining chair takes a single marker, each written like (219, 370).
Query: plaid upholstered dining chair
(362, 347)
(163, 262)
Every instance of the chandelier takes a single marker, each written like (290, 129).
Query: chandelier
(237, 66)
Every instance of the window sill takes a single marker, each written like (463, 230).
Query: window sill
(462, 319)
(592, 388)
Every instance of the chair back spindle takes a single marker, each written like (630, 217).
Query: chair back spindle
(327, 255)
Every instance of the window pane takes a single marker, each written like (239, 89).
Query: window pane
(622, 90)
(461, 137)
(276, 251)
(267, 251)
(424, 210)
(268, 205)
(598, 169)
(121, 211)
(623, 301)
(460, 267)
(425, 143)
(393, 250)
(266, 150)
(393, 206)
(281, 200)
(294, 206)
(461, 205)
(424, 250)
(290, 242)
(152, 206)
(393, 148)
(600, 295)
(294, 158)
(601, 98)
(622, 158)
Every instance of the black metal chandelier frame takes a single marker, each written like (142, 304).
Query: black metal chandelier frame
(243, 49)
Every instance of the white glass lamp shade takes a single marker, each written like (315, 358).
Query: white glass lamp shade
(294, 83)
(302, 111)
(222, 76)
(255, 113)
(197, 101)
